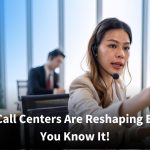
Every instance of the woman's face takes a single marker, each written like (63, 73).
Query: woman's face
(113, 51)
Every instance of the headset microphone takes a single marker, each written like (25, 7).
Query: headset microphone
(115, 76)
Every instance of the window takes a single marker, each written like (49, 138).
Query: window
(148, 48)
(16, 51)
(80, 21)
(2, 57)
(45, 29)
(125, 10)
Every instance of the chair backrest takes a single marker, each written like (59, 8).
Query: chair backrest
(42, 101)
(21, 88)
(34, 136)
(34, 105)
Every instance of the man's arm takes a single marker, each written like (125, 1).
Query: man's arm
(34, 87)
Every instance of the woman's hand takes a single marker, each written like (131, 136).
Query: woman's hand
(59, 91)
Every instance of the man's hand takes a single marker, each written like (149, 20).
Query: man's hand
(59, 91)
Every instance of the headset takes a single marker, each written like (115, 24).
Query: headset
(94, 48)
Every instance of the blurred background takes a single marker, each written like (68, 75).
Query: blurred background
(29, 29)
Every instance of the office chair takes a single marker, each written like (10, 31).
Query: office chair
(41, 104)
(21, 91)
(34, 136)
(41, 101)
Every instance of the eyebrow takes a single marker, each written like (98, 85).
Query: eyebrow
(112, 40)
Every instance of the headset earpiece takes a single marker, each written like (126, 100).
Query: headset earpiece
(94, 50)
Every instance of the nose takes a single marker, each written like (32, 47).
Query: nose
(120, 53)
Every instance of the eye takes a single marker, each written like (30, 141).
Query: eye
(126, 48)
(112, 45)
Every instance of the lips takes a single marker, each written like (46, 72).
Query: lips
(117, 65)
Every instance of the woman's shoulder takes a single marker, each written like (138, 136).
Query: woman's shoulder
(83, 88)
(82, 80)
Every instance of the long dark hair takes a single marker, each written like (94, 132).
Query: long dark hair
(95, 40)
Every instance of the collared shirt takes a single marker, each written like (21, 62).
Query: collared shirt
(49, 74)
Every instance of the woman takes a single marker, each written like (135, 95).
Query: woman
(98, 92)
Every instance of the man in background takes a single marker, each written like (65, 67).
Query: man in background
(44, 79)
